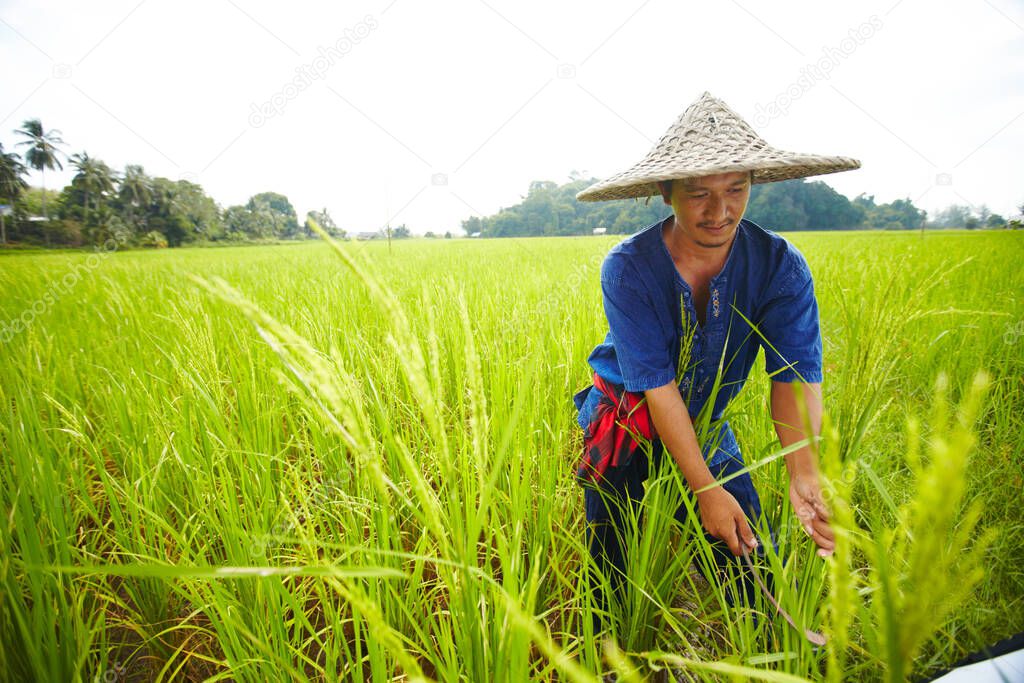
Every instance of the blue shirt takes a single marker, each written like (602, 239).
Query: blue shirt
(764, 278)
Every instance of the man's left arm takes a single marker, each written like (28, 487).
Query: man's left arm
(804, 480)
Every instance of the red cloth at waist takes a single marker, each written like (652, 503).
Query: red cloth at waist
(611, 439)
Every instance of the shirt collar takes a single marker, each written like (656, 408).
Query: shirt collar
(738, 243)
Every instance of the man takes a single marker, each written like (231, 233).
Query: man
(704, 271)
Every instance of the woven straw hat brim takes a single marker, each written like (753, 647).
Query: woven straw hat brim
(710, 138)
(643, 182)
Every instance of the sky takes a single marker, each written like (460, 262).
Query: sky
(427, 113)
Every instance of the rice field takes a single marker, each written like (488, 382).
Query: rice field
(354, 462)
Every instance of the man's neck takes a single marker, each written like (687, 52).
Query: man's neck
(696, 256)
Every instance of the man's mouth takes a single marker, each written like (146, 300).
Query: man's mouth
(717, 228)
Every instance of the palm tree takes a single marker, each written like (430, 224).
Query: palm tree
(136, 186)
(42, 150)
(95, 178)
(136, 190)
(11, 183)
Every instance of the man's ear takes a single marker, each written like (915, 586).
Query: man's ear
(666, 191)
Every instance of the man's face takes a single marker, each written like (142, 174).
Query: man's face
(708, 209)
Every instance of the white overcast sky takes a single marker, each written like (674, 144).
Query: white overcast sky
(436, 111)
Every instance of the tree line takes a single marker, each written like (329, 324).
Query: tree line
(552, 209)
(137, 209)
(101, 203)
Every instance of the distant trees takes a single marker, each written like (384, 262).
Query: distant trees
(43, 150)
(800, 205)
(95, 183)
(966, 216)
(239, 223)
(324, 220)
(954, 215)
(12, 184)
(279, 211)
(167, 212)
(900, 214)
(141, 210)
(551, 209)
(199, 210)
(135, 196)
(100, 203)
(154, 240)
(267, 215)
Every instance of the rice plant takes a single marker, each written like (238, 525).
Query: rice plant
(337, 462)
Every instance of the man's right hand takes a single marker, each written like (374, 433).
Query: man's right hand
(720, 514)
(722, 517)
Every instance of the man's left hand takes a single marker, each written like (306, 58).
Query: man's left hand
(805, 494)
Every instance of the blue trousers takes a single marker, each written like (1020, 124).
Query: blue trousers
(623, 489)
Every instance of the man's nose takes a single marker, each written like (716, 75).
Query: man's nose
(717, 210)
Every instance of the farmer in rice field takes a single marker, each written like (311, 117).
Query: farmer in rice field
(703, 271)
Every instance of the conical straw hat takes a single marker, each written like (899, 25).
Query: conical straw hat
(711, 138)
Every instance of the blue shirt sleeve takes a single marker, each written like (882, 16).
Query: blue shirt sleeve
(643, 354)
(792, 343)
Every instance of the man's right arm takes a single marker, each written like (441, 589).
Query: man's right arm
(720, 514)
(646, 358)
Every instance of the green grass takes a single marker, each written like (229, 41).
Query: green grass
(283, 463)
